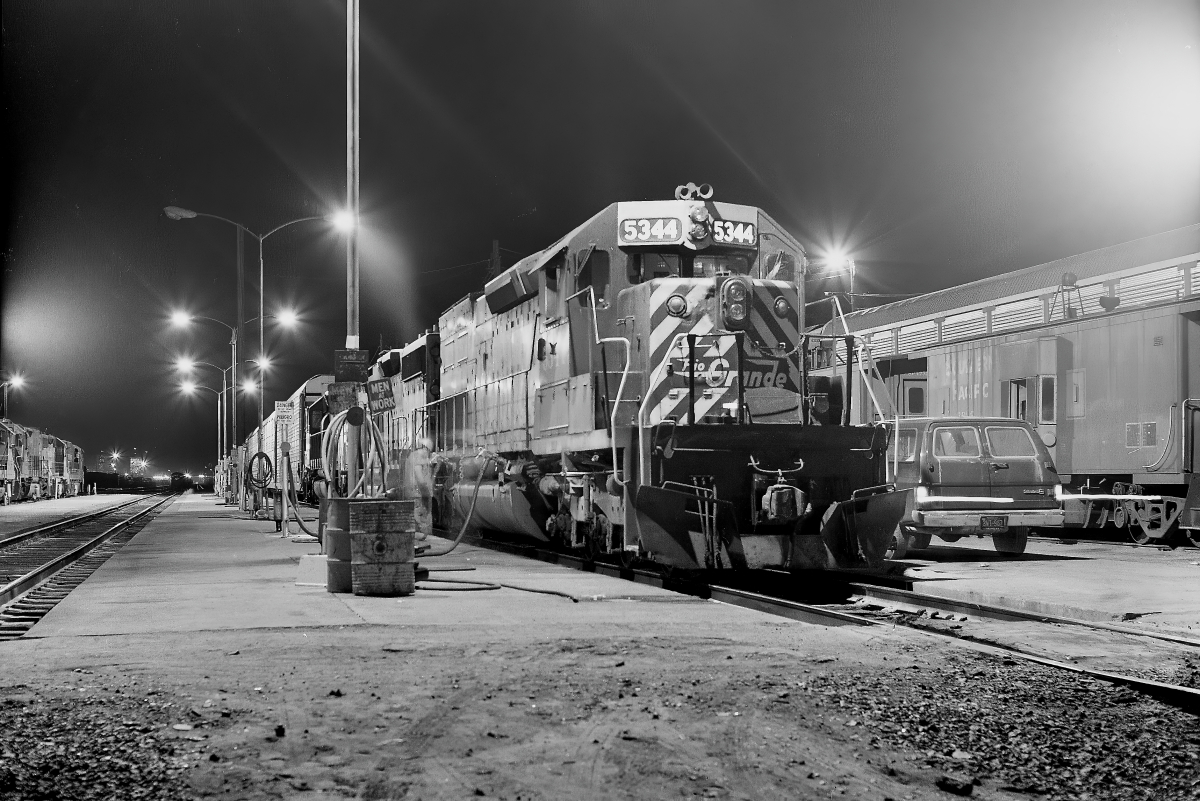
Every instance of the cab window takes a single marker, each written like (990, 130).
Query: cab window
(956, 442)
(594, 273)
(908, 446)
(645, 266)
(708, 265)
(1008, 441)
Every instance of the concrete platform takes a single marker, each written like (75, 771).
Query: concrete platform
(16, 517)
(201, 566)
(1158, 589)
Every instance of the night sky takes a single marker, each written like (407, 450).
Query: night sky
(938, 142)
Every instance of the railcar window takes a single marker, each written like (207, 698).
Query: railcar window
(959, 441)
(594, 273)
(908, 445)
(1048, 398)
(1009, 441)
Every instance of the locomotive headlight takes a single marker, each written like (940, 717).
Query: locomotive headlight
(677, 306)
(781, 307)
(735, 300)
(701, 223)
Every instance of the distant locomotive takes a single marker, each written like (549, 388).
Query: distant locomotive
(35, 465)
(639, 390)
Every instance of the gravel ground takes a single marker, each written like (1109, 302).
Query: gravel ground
(380, 714)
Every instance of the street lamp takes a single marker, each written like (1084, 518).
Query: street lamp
(16, 382)
(340, 220)
(839, 262)
(181, 319)
(190, 388)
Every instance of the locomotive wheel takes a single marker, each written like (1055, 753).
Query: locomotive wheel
(1012, 541)
(1119, 517)
(1137, 532)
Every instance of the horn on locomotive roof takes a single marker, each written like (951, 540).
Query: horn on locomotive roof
(689, 191)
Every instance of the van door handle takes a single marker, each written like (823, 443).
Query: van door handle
(999, 465)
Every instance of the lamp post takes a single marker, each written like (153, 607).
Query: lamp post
(14, 381)
(189, 388)
(177, 213)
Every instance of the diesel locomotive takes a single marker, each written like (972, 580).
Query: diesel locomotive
(639, 390)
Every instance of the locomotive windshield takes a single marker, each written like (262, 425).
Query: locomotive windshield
(646, 266)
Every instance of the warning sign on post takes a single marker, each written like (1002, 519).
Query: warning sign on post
(283, 409)
(350, 365)
(379, 396)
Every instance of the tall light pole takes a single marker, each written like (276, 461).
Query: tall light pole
(14, 381)
(186, 366)
(177, 213)
(180, 319)
(352, 173)
(189, 388)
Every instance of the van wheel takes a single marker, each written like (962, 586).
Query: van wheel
(1011, 541)
(921, 539)
(899, 545)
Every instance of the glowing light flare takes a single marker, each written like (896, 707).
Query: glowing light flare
(184, 365)
(16, 381)
(287, 318)
(249, 387)
(179, 319)
(189, 387)
(343, 221)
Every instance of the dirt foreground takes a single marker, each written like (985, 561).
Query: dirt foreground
(776, 710)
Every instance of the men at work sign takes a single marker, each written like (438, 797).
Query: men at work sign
(379, 396)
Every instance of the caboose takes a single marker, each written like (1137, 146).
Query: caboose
(638, 389)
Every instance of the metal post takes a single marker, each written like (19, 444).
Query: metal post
(352, 173)
(239, 335)
(262, 373)
(691, 340)
(847, 394)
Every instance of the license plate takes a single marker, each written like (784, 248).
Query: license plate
(993, 523)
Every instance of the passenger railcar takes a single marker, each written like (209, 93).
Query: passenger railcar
(1101, 352)
(637, 389)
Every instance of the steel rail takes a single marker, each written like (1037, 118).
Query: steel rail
(1186, 698)
(21, 536)
(18, 587)
(890, 594)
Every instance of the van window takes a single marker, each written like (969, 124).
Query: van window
(908, 445)
(960, 441)
(1009, 441)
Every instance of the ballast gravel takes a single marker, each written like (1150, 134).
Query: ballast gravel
(373, 714)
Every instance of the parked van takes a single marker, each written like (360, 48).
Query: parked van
(974, 476)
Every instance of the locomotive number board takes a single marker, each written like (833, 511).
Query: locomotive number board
(653, 229)
(729, 232)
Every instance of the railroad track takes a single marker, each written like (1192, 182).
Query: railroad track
(852, 601)
(40, 567)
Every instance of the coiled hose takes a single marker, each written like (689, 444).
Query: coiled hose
(265, 481)
(331, 443)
